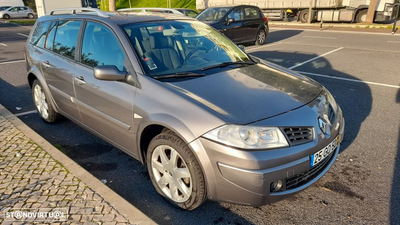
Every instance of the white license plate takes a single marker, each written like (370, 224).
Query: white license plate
(323, 153)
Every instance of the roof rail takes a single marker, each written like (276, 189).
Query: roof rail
(150, 9)
(73, 11)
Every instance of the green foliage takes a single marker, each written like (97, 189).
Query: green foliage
(190, 4)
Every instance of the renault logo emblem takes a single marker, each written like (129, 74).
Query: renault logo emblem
(322, 125)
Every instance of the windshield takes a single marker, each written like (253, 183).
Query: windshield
(170, 47)
(213, 14)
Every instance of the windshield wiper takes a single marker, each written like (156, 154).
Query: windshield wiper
(227, 64)
(178, 75)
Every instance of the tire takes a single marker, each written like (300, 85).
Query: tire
(42, 103)
(261, 37)
(185, 190)
(6, 16)
(361, 16)
(304, 16)
(30, 16)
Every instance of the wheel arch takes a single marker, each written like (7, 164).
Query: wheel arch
(155, 124)
(34, 74)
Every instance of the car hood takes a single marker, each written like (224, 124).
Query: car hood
(251, 93)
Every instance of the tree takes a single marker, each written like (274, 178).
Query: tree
(371, 11)
(112, 5)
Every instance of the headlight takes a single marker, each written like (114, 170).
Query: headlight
(248, 137)
(331, 100)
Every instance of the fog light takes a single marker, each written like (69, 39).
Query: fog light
(276, 185)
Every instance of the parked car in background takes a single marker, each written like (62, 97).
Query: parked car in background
(188, 12)
(208, 120)
(4, 7)
(243, 23)
(17, 12)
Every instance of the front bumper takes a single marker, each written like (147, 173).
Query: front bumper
(245, 177)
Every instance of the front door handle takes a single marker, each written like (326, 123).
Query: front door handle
(80, 80)
(46, 64)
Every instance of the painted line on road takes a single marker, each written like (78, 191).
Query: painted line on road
(398, 42)
(3, 44)
(23, 35)
(25, 113)
(319, 37)
(13, 61)
(310, 60)
(335, 31)
(347, 79)
(264, 46)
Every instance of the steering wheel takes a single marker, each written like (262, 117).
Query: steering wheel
(190, 54)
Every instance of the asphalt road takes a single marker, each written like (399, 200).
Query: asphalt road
(363, 187)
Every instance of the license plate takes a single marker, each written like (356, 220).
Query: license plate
(323, 153)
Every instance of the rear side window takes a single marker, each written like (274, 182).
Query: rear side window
(101, 47)
(66, 37)
(251, 13)
(39, 35)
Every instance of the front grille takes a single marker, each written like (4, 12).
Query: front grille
(302, 178)
(298, 135)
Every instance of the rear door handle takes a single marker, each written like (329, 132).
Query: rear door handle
(46, 64)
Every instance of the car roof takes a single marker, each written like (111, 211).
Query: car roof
(121, 18)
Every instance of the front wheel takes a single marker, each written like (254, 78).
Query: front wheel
(175, 172)
(6, 16)
(42, 104)
(261, 37)
(361, 16)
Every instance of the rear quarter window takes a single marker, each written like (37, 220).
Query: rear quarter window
(39, 34)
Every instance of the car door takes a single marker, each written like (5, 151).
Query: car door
(106, 106)
(22, 12)
(235, 30)
(13, 12)
(58, 64)
(251, 22)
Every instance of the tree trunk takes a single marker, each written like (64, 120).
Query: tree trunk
(112, 5)
(371, 11)
(310, 11)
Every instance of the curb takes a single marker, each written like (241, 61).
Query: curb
(130, 212)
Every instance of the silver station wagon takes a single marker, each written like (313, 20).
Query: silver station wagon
(208, 120)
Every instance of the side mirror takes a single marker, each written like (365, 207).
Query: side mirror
(242, 48)
(229, 21)
(110, 73)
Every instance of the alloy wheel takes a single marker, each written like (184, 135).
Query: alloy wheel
(40, 102)
(171, 173)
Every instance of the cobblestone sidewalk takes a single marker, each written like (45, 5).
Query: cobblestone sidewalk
(31, 178)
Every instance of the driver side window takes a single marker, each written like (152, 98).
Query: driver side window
(236, 14)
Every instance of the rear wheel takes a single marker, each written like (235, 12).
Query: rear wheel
(42, 104)
(175, 171)
(361, 16)
(6, 16)
(261, 37)
(30, 16)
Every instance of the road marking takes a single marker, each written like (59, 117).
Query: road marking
(3, 44)
(319, 37)
(335, 31)
(394, 42)
(310, 60)
(25, 113)
(13, 61)
(347, 79)
(264, 46)
(23, 35)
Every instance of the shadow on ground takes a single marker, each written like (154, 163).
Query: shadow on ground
(395, 199)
